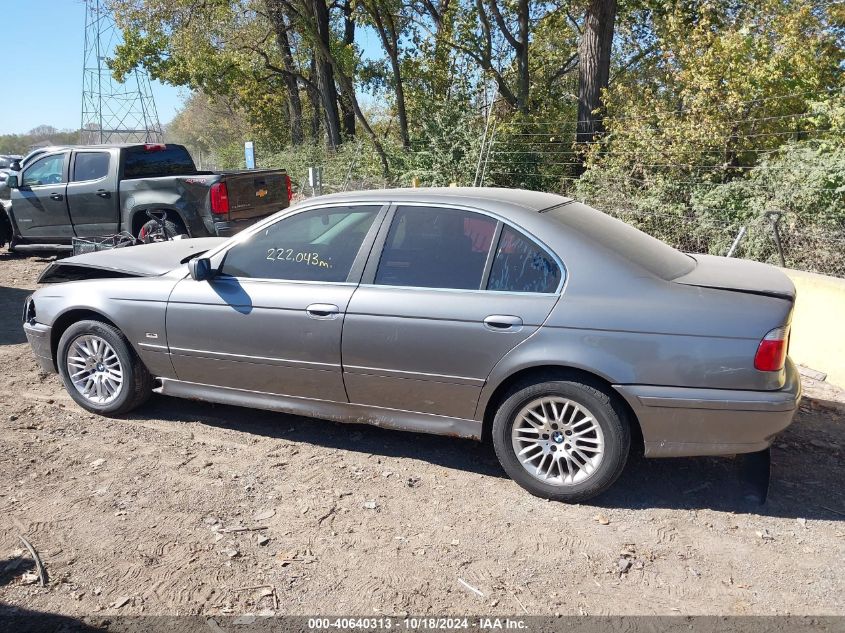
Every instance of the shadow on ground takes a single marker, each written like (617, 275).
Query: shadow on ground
(27, 621)
(11, 568)
(807, 472)
(11, 304)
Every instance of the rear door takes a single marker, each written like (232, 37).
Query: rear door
(449, 294)
(271, 320)
(40, 204)
(92, 193)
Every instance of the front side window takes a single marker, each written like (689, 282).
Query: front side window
(90, 166)
(315, 245)
(521, 265)
(429, 247)
(46, 171)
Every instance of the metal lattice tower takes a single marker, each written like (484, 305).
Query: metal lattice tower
(113, 112)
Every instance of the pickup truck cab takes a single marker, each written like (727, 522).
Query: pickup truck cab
(95, 191)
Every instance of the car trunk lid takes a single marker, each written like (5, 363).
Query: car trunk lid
(738, 275)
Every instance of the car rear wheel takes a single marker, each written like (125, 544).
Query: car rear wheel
(100, 370)
(562, 440)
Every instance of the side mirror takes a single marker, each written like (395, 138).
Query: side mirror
(16, 165)
(12, 181)
(200, 269)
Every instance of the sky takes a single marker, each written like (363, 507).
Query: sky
(43, 43)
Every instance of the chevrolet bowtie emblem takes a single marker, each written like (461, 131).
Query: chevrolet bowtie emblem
(261, 193)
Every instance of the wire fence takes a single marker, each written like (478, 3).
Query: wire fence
(780, 239)
(659, 159)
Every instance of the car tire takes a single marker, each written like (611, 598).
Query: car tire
(105, 349)
(150, 230)
(575, 460)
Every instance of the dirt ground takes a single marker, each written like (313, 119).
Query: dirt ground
(192, 508)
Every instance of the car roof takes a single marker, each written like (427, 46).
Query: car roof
(55, 148)
(530, 200)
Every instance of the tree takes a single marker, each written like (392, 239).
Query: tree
(388, 21)
(316, 14)
(594, 53)
(280, 19)
(493, 42)
(312, 17)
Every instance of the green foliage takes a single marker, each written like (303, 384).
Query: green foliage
(21, 143)
(217, 47)
(717, 111)
(446, 147)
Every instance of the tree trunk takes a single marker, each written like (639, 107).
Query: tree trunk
(401, 111)
(316, 103)
(522, 57)
(386, 29)
(280, 27)
(325, 74)
(348, 113)
(594, 66)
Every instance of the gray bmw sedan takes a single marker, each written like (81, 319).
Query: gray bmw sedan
(529, 318)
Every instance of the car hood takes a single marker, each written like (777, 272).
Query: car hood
(146, 260)
(740, 275)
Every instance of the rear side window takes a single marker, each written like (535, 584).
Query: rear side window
(316, 245)
(90, 166)
(521, 265)
(155, 161)
(430, 247)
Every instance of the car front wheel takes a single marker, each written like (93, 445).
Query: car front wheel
(100, 370)
(562, 440)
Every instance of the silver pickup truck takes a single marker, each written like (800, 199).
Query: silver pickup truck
(95, 191)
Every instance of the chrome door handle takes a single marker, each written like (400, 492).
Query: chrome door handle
(57, 197)
(503, 323)
(322, 311)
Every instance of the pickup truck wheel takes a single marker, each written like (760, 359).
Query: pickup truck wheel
(100, 370)
(562, 440)
(151, 232)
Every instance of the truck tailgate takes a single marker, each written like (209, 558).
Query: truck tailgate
(256, 193)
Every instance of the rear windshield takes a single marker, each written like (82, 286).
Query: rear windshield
(642, 249)
(157, 161)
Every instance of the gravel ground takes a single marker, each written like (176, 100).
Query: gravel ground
(192, 508)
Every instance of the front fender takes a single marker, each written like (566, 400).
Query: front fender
(136, 306)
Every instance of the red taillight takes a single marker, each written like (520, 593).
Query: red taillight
(290, 187)
(219, 198)
(771, 353)
(155, 147)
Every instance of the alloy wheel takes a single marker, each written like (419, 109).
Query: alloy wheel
(95, 369)
(557, 441)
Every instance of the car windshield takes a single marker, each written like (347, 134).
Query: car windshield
(5, 162)
(642, 249)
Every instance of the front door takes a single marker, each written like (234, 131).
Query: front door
(452, 292)
(271, 320)
(40, 204)
(92, 193)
